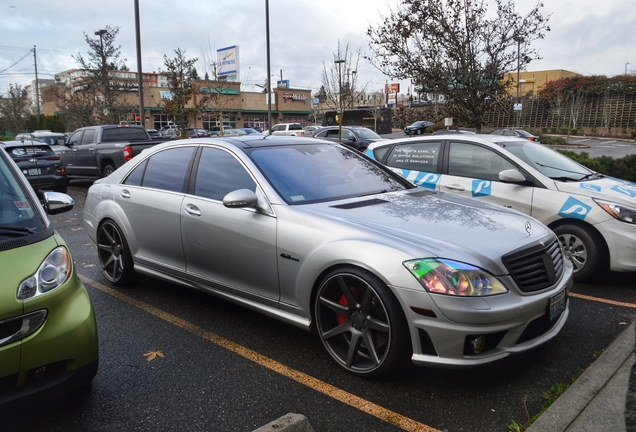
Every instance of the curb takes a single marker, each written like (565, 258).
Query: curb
(288, 423)
(596, 400)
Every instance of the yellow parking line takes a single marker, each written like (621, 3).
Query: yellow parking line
(300, 377)
(602, 300)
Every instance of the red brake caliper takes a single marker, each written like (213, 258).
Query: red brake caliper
(343, 301)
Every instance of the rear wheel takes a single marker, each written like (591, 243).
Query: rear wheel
(584, 249)
(108, 170)
(114, 254)
(361, 323)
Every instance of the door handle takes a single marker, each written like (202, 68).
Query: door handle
(124, 193)
(455, 187)
(192, 210)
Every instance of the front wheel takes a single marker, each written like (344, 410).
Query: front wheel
(584, 248)
(114, 254)
(361, 323)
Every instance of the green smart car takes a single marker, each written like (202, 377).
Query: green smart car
(48, 333)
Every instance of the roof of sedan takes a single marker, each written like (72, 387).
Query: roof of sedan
(251, 141)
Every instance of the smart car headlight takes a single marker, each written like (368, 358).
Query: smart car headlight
(619, 211)
(449, 277)
(52, 273)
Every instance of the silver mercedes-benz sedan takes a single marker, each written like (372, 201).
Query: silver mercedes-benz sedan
(324, 238)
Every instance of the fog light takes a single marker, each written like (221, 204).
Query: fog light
(477, 344)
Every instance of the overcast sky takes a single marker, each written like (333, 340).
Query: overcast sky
(590, 37)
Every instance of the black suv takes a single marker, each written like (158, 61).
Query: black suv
(39, 163)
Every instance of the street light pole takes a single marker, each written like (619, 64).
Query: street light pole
(339, 62)
(626, 67)
(518, 40)
(140, 78)
(269, 71)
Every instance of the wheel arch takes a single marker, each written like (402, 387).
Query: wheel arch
(586, 226)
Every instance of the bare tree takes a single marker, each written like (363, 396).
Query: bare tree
(76, 106)
(340, 82)
(455, 47)
(109, 89)
(577, 103)
(14, 110)
(179, 71)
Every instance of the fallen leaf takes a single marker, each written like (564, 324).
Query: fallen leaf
(151, 355)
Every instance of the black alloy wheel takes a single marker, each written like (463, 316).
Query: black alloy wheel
(114, 255)
(361, 323)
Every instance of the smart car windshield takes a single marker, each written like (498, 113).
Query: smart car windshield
(304, 174)
(549, 162)
(18, 217)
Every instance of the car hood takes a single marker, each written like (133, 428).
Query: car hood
(427, 223)
(608, 188)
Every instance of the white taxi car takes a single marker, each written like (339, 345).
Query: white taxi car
(594, 216)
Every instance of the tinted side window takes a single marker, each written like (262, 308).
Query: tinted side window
(295, 126)
(421, 156)
(219, 173)
(136, 176)
(467, 160)
(75, 138)
(89, 136)
(168, 169)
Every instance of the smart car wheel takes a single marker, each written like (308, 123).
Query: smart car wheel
(584, 249)
(114, 255)
(361, 323)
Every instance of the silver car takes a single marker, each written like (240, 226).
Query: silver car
(324, 238)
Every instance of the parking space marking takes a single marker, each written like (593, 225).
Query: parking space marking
(329, 390)
(602, 300)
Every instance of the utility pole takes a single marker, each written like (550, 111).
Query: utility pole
(140, 78)
(37, 84)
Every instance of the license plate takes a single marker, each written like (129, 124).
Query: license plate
(557, 305)
(34, 171)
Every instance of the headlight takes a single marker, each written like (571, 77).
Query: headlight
(53, 272)
(619, 211)
(454, 278)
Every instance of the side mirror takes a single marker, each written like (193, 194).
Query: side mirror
(511, 176)
(240, 198)
(56, 202)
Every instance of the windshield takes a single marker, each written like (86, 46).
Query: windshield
(549, 162)
(303, 174)
(367, 134)
(18, 217)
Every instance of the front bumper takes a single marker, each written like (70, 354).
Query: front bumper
(509, 323)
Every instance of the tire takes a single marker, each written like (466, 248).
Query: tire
(419, 131)
(584, 248)
(375, 320)
(114, 255)
(108, 170)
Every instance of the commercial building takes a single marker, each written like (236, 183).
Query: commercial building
(213, 102)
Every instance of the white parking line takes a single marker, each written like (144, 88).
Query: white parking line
(581, 141)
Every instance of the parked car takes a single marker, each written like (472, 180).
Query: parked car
(54, 139)
(357, 138)
(216, 130)
(48, 333)
(418, 128)
(594, 216)
(153, 133)
(96, 151)
(288, 129)
(250, 131)
(452, 131)
(310, 130)
(319, 236)
(198, 133)
(420, 103)
(516, 133)
(42, 167)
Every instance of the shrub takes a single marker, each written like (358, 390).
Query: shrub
(553, 130)
(623, 168)
(545, 139)
(633, 134)
(573, 131)
(559, 141)
(564, 129)
(593, 130)
(544, 130)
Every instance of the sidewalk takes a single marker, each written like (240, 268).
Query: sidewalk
(595, 402)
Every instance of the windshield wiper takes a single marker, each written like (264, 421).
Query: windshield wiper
(16, 231)
(594, 174)
(557, 168)
(564, 179)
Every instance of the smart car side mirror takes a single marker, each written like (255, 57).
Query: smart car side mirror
(56, 202)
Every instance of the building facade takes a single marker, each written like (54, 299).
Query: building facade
(213, 102)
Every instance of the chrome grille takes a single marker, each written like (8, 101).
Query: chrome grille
(536, 267)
